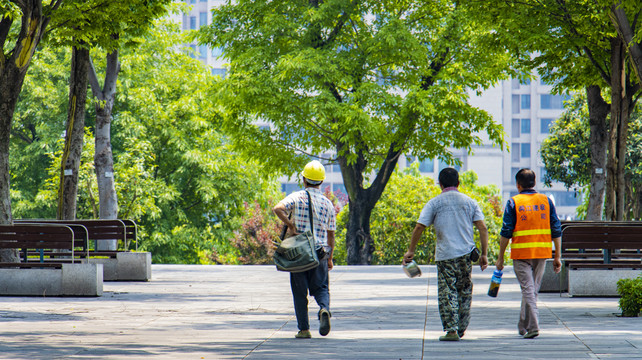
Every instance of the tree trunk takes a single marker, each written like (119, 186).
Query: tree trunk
(10, 85)
(627, 34)
(598, 111)
(359, 244)
(103, 158)
(12, 75)
(70, 164)
(617, 93)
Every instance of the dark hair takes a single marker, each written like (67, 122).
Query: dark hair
(448, 177)
(525, 178)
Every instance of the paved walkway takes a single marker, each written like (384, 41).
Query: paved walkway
(245, 312)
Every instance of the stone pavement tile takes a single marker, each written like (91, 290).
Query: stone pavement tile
(237, 312)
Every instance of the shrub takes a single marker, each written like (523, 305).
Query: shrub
(254, 239)
(630, 291)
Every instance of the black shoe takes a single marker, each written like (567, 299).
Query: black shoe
(324, 318)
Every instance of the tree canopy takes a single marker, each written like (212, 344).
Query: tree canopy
(365, 81)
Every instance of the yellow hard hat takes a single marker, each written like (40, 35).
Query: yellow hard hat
(314, 171)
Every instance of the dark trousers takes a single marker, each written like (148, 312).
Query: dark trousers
(316, 282)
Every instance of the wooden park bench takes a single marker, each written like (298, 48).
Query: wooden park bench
(44, 244)
(119, 264)
(124, 231)
(52, 261)
(601, 244)
(595, 254)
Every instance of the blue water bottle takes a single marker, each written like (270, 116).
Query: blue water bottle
(494, 283)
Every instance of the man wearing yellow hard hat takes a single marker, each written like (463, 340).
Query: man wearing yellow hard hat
(314, 281)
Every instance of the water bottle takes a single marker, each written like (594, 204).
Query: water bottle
(494, 283)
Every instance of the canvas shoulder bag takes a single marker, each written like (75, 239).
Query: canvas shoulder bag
(297, 253)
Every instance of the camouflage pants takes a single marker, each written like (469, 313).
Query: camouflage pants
(455, 289)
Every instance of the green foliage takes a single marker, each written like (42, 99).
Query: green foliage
(331, 78)
(175, 173)
(566, 152)
(395, 216)
(630, 291)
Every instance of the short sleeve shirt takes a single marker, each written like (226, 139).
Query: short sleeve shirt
(323, 213)
(452, 214)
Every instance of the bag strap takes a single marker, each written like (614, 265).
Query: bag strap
(310, 213)
(285, 227)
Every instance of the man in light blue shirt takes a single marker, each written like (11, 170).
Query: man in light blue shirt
(453, 215)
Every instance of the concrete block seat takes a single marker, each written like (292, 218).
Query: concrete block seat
(51, 263)
(112, 240)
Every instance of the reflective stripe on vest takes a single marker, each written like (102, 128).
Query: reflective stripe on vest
(532, 234)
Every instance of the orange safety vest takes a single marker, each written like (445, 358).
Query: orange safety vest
(532, 233)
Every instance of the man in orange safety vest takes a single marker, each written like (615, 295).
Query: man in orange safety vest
(531, 225)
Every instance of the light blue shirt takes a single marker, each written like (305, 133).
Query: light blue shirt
(452, 214)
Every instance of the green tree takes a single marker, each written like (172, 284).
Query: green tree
(567, 159)
(395, 216)
(22, 26)
(365, 80)
(573, 44)
(175, 172)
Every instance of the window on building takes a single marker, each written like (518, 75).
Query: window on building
(289, 188)
(203, 0)
(542, 174)
(564, 198)
(192, 22)
(192, 52)
(192, 1)
(515, 128)
(545, 125)
(443, 165)
(202, 51)
(526, 102)
(515, 83)
(525, 82)
(513, 172)
(202, 19)
(217, 51)
(515, 104)
(219, 72)
(514, 152)
(526, 126)
(427, 165)
(549, 101)
(185, 21)
(526, 150)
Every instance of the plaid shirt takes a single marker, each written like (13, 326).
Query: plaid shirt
(323, 213)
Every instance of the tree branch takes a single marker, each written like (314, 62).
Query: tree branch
(621, 23)
(342, 20)
(93, 81)
(111, 74)
(5, 27)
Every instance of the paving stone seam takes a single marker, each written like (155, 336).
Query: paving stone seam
(423, 337)
(268, 338)
(591, 352)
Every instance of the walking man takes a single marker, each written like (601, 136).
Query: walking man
(529, 224)
(453, 215)
(324, 219)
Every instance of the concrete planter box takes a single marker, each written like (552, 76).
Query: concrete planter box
(552, 282)
(72, 280)
(597, 282)
(127, 266)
